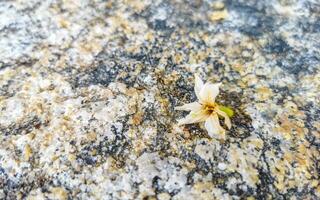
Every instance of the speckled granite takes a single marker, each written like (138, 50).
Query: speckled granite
(88, 90)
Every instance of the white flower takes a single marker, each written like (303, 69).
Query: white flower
(206, 109)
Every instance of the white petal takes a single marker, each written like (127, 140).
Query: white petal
(225, 116)
(198, 85)
(213, 127)
(209, 92)
(194, 117)
(195, 106)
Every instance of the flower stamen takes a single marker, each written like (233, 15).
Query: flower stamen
(209, 108)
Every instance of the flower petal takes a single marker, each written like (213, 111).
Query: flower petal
(194, 117)
(209, 92)
(195, 106)
(198, 85)
(225, 116)
(213, 127)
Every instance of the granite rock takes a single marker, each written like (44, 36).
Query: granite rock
(88, 90)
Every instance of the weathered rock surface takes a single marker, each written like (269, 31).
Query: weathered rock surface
(88, 90)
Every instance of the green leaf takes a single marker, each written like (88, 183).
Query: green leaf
(227, 110)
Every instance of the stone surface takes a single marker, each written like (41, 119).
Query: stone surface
(88, 90)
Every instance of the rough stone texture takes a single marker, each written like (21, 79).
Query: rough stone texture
(88, 90)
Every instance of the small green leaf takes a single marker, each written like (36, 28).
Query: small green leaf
(227, 110)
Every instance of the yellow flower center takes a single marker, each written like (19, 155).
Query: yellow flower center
(210, 108)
